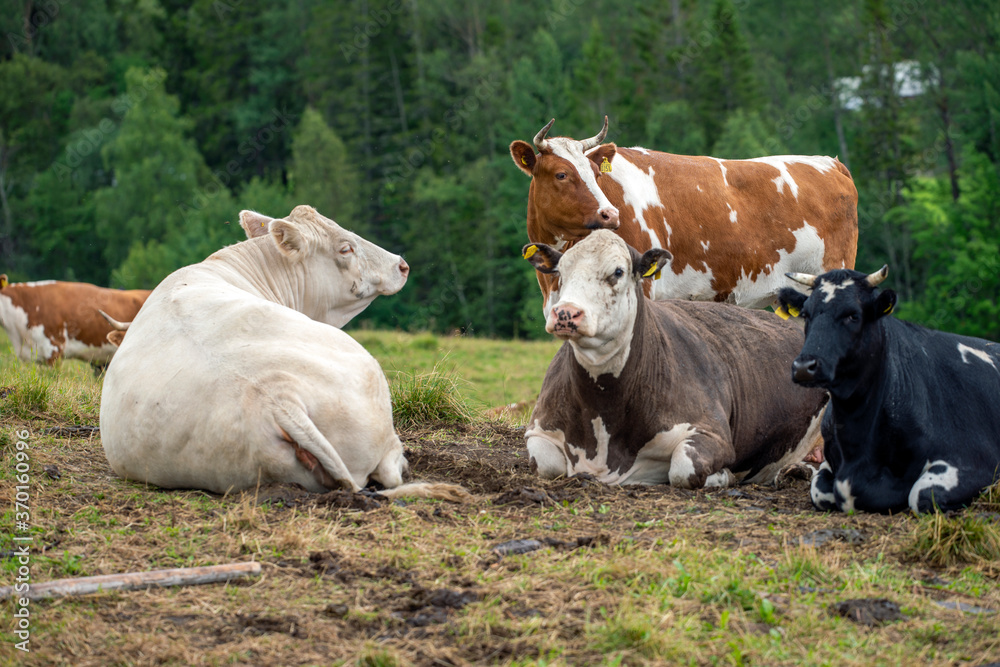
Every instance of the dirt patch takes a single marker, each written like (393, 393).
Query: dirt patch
(566, 571)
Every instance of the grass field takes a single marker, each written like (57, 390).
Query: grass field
(610, 576)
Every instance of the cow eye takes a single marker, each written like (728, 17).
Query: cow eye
(561, 176)
(853, 318)
(346, 249)
(619, 272)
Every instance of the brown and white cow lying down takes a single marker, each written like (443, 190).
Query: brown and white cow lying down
(648, 392)
(235, 373)
(733, 227)
(52, 319)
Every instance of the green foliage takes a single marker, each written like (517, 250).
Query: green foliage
(744, 136)
(132, 133)
(322, 174)
(25, 394)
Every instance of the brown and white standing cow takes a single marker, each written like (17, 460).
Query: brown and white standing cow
(733, 227)
(647, 392)
(51, 319)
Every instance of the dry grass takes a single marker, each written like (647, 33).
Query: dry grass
(645, 576)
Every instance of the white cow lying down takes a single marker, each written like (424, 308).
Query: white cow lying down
(234, 374)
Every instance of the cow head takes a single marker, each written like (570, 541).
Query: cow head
(342, 272)
(565, 201)
(601, 280)
(839, 313)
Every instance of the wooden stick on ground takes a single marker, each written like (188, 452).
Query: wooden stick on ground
(182, 576)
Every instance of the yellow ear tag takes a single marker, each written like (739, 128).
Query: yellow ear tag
(889, 309)
(793, 311)
(651, 270)
(3, 282)
(523, 161)
(781, 312)
(532, 249)
(656, 276)
(605, 166)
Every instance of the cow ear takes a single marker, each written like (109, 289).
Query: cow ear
(789, 302)
(884, 304)
(254, 224)
(523, 155)
(651, 263)
(544, 258)
(602, 156)
(290, 239)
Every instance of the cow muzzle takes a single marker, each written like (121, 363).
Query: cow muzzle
(606, 218)
(805, 369)
(565, 320)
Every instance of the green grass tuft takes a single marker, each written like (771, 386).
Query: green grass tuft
(943, 540)
(26, 392)
(424, 398)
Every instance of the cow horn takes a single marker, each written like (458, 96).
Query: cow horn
(596, 140)
(118, 326)
(874, 279)
(803, 278)
(540, 143)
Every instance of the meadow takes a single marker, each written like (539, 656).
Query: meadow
(532, 572)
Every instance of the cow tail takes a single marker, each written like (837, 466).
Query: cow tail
(439, 491)
(303, 432)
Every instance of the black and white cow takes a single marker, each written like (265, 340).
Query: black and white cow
(648, 392)
(913, 418)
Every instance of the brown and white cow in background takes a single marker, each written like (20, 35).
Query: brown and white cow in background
(51, 319)
(648, 392)
(235, 372)
(733, 227)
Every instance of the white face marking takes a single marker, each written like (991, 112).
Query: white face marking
(640, 192)
(819, 498)
(605, 331)
(830, 289)
(807, 257)
(946, 480)
(843, 487)
(571, 150)
(965, 350)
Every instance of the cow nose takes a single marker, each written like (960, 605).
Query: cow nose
(566, 319)
(804, 369)
(404, 268)
(609, 217)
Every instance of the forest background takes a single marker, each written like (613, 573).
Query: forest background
(133, 131)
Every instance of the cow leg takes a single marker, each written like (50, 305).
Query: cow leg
(942, 487)
(391, 469)
(548, 459)
(821, 489)
(702, 460)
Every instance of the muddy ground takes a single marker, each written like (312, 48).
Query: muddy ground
(363, 580)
